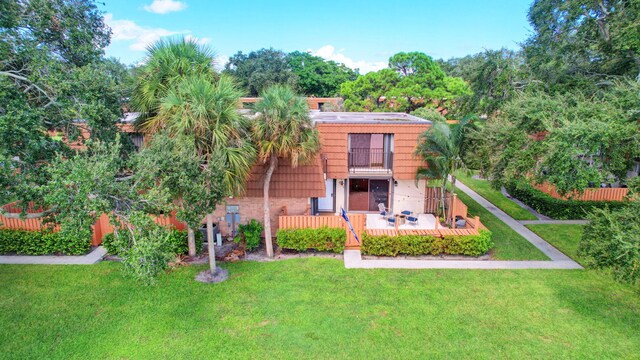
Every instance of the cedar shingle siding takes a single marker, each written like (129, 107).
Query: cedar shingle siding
(303, 181)
(335, 145)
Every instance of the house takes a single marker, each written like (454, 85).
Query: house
(365, 159)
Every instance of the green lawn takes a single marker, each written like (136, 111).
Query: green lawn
(315, 308)
(483, 187)
(564, 237)
(509, 245)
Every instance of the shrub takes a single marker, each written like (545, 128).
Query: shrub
(611, 240)
(175, 242)
(471, 245)
(150, 255)
(321, 239)
(249, 234)
(41, 243)
(557, 208)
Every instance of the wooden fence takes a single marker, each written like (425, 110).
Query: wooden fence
(358, 222)
(453, 205)
(101, 227)
(592, 194)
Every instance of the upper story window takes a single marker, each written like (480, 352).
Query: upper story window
(370, 152)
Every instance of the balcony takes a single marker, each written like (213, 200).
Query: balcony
(370, 161)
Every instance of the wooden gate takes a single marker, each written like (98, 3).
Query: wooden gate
(432, 200)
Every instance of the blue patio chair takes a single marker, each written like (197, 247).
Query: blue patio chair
(413, 220)
(391, 221)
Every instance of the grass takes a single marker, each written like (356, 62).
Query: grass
(483, 187)
(315, 308)
(509, 245)
(564, 237)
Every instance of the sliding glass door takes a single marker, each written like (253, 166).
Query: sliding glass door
(366, 194)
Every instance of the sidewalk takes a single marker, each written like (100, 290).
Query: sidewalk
(91, 258)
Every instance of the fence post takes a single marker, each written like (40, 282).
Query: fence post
(452, 211)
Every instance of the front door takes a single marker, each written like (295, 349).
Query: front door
(325, 204)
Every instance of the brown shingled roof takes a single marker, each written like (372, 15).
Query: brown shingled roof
(299, 182)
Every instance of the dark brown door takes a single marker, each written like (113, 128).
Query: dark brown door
(358, 194)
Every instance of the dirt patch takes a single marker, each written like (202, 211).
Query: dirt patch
(217, 276)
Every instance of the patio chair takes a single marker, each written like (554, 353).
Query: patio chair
(461, 223)
(412, 219)
(391, 221)
(384, 212)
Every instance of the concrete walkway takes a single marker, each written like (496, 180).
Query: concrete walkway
(91, 258)
(353, 258)
(554, 222)
(553, 253)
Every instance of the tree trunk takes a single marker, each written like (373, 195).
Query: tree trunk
(212, 250)
(191, 242)
(273, 163)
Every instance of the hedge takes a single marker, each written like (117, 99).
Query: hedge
(321, 239)
(471, 245)
(177, 242)
(556, 208)
(25, 242)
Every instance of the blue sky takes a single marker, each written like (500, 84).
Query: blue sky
(361, 34)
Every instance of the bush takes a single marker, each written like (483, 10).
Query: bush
(250, 234)
(41, 243)
(175, 242)
(611, 240)
(470, 245)
(321, 239)
(556, 208)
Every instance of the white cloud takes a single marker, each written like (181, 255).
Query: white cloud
(329, 52)
(165, 6)
(139, 36)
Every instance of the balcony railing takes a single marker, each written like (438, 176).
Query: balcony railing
(370, 159)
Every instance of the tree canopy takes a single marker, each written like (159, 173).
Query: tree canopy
(260, 69)
(317, 76)
(411, 81)
(53, 79)
(579, 43)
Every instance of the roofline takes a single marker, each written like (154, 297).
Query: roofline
(394, 118)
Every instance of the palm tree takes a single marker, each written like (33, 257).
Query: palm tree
(208, 111)
(168, 62)
(442, 147)
(179, 92)
(282, 129)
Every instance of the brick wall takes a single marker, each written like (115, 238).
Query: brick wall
(251, 208)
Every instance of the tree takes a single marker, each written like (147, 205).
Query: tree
(317, 76)
(260, 69)
(442, 148)
(208, 112)
(580, 43)
(194, 102)
(168, 63)
(52, 79)
(494, 77)
(282, 129)
(572, 142)
(413, 80)
(170, 168)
